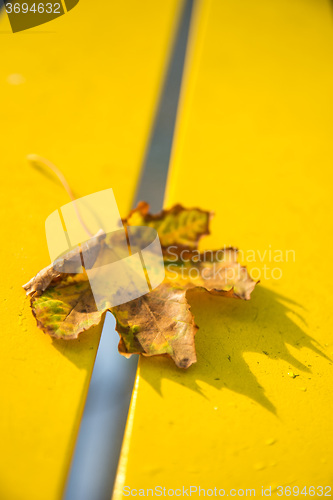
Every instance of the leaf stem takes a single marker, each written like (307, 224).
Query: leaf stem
(33, 158)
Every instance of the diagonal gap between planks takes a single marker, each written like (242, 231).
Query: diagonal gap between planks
(100, 438)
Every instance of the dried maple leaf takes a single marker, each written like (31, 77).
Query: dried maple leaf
(160, 322)
(178, 226)
(42, 280)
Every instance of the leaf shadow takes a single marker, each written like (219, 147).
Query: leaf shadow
(228, 330)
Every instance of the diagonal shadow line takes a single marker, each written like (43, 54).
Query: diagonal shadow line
(228, 330)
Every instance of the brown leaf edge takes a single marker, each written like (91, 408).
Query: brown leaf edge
(143, 209)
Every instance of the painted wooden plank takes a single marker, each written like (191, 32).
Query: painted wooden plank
(81, 91)
(253, 143)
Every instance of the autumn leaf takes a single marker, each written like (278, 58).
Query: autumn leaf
(66, 308)
(179, 227)
(160, 322)
(60, 267)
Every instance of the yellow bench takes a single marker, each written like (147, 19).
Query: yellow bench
(253, 143)
(81, 91)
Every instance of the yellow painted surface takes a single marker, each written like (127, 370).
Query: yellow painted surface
(82, 92)
(254, 144)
